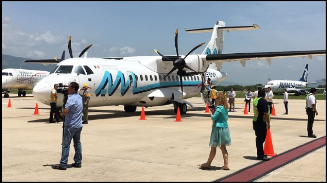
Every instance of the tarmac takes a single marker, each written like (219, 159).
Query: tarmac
(118, 147)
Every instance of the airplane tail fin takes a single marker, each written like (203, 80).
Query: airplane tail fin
(215, 45)
(305, 74)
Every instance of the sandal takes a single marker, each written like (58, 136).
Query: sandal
(225, 168)
(204, 166)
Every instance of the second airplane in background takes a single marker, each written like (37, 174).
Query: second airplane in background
(292, 86)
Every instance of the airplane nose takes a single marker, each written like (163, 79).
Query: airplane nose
(41, 92)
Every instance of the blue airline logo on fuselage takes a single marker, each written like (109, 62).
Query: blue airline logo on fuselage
(289, 85)
(208, 51)
(120, 79)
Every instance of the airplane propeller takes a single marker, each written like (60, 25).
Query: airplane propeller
(70, 48)
(179, 63)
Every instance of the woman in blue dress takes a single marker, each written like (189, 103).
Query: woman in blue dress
(220, 136)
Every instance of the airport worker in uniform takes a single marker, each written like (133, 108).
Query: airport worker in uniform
(72, 128)
(53, 103)
(231, 101)
(285, 101)
(261, 123)
(311, 109)
(248, 96)
(213, 95)
(84, 92)
(220, 135)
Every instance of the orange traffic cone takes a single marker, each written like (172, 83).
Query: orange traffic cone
(207, 108)
(273, 112)
(269, 148)
(245, 109)
(36, 111)
(9, 103)
(142, 114)
(178, 116)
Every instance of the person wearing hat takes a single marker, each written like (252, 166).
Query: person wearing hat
(84, 92)
(311, 109)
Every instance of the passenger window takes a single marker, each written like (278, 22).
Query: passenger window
(151, 78)
(141, 77)
(155, 77)
(146, 77)
(136, 77)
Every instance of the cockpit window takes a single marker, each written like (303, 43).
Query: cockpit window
(54, 69)
(88, 70)
(7, 74)
(64, 69)
(79, 70)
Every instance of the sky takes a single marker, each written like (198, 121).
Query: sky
(40, 30)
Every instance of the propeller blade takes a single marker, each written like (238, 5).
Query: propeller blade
(82, 53)
(190, 68)
(162, 54)
(176, 43)
(70, 47)
(194, 49)
(181, 81)
(170, 72)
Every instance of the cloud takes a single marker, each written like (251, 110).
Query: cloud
(6, 20)
(122, 50)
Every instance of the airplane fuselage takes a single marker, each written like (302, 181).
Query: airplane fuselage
(134, 81)
(291, 86)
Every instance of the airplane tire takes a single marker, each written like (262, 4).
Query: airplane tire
(183, 108)
(129, 108)
(24, 93)
(6, 95)
(19, 93)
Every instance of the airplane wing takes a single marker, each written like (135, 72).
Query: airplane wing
(243, 57)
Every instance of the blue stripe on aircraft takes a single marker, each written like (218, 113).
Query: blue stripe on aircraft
(120, 79)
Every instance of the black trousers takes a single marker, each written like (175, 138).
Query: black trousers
(248, 102)
(311, 117)
(270, 106)
(53, 110)
(260, 129)
(286, 106)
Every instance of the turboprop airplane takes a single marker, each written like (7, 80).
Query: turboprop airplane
(292, 86)
(21, 79)
(150, 80)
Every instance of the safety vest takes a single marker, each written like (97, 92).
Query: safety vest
(52, 97)
(213, 94)
(255, 110)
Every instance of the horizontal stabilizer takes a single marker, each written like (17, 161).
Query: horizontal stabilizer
(234, 28)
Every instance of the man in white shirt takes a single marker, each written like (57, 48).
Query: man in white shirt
(286, 100)
(311, 108)
(269, 97)
(231, 101)
(248, 96)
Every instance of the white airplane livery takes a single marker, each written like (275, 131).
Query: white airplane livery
(21, 79)
(151, 80)
(291, 86)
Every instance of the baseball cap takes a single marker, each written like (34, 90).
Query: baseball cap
(313, 90)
